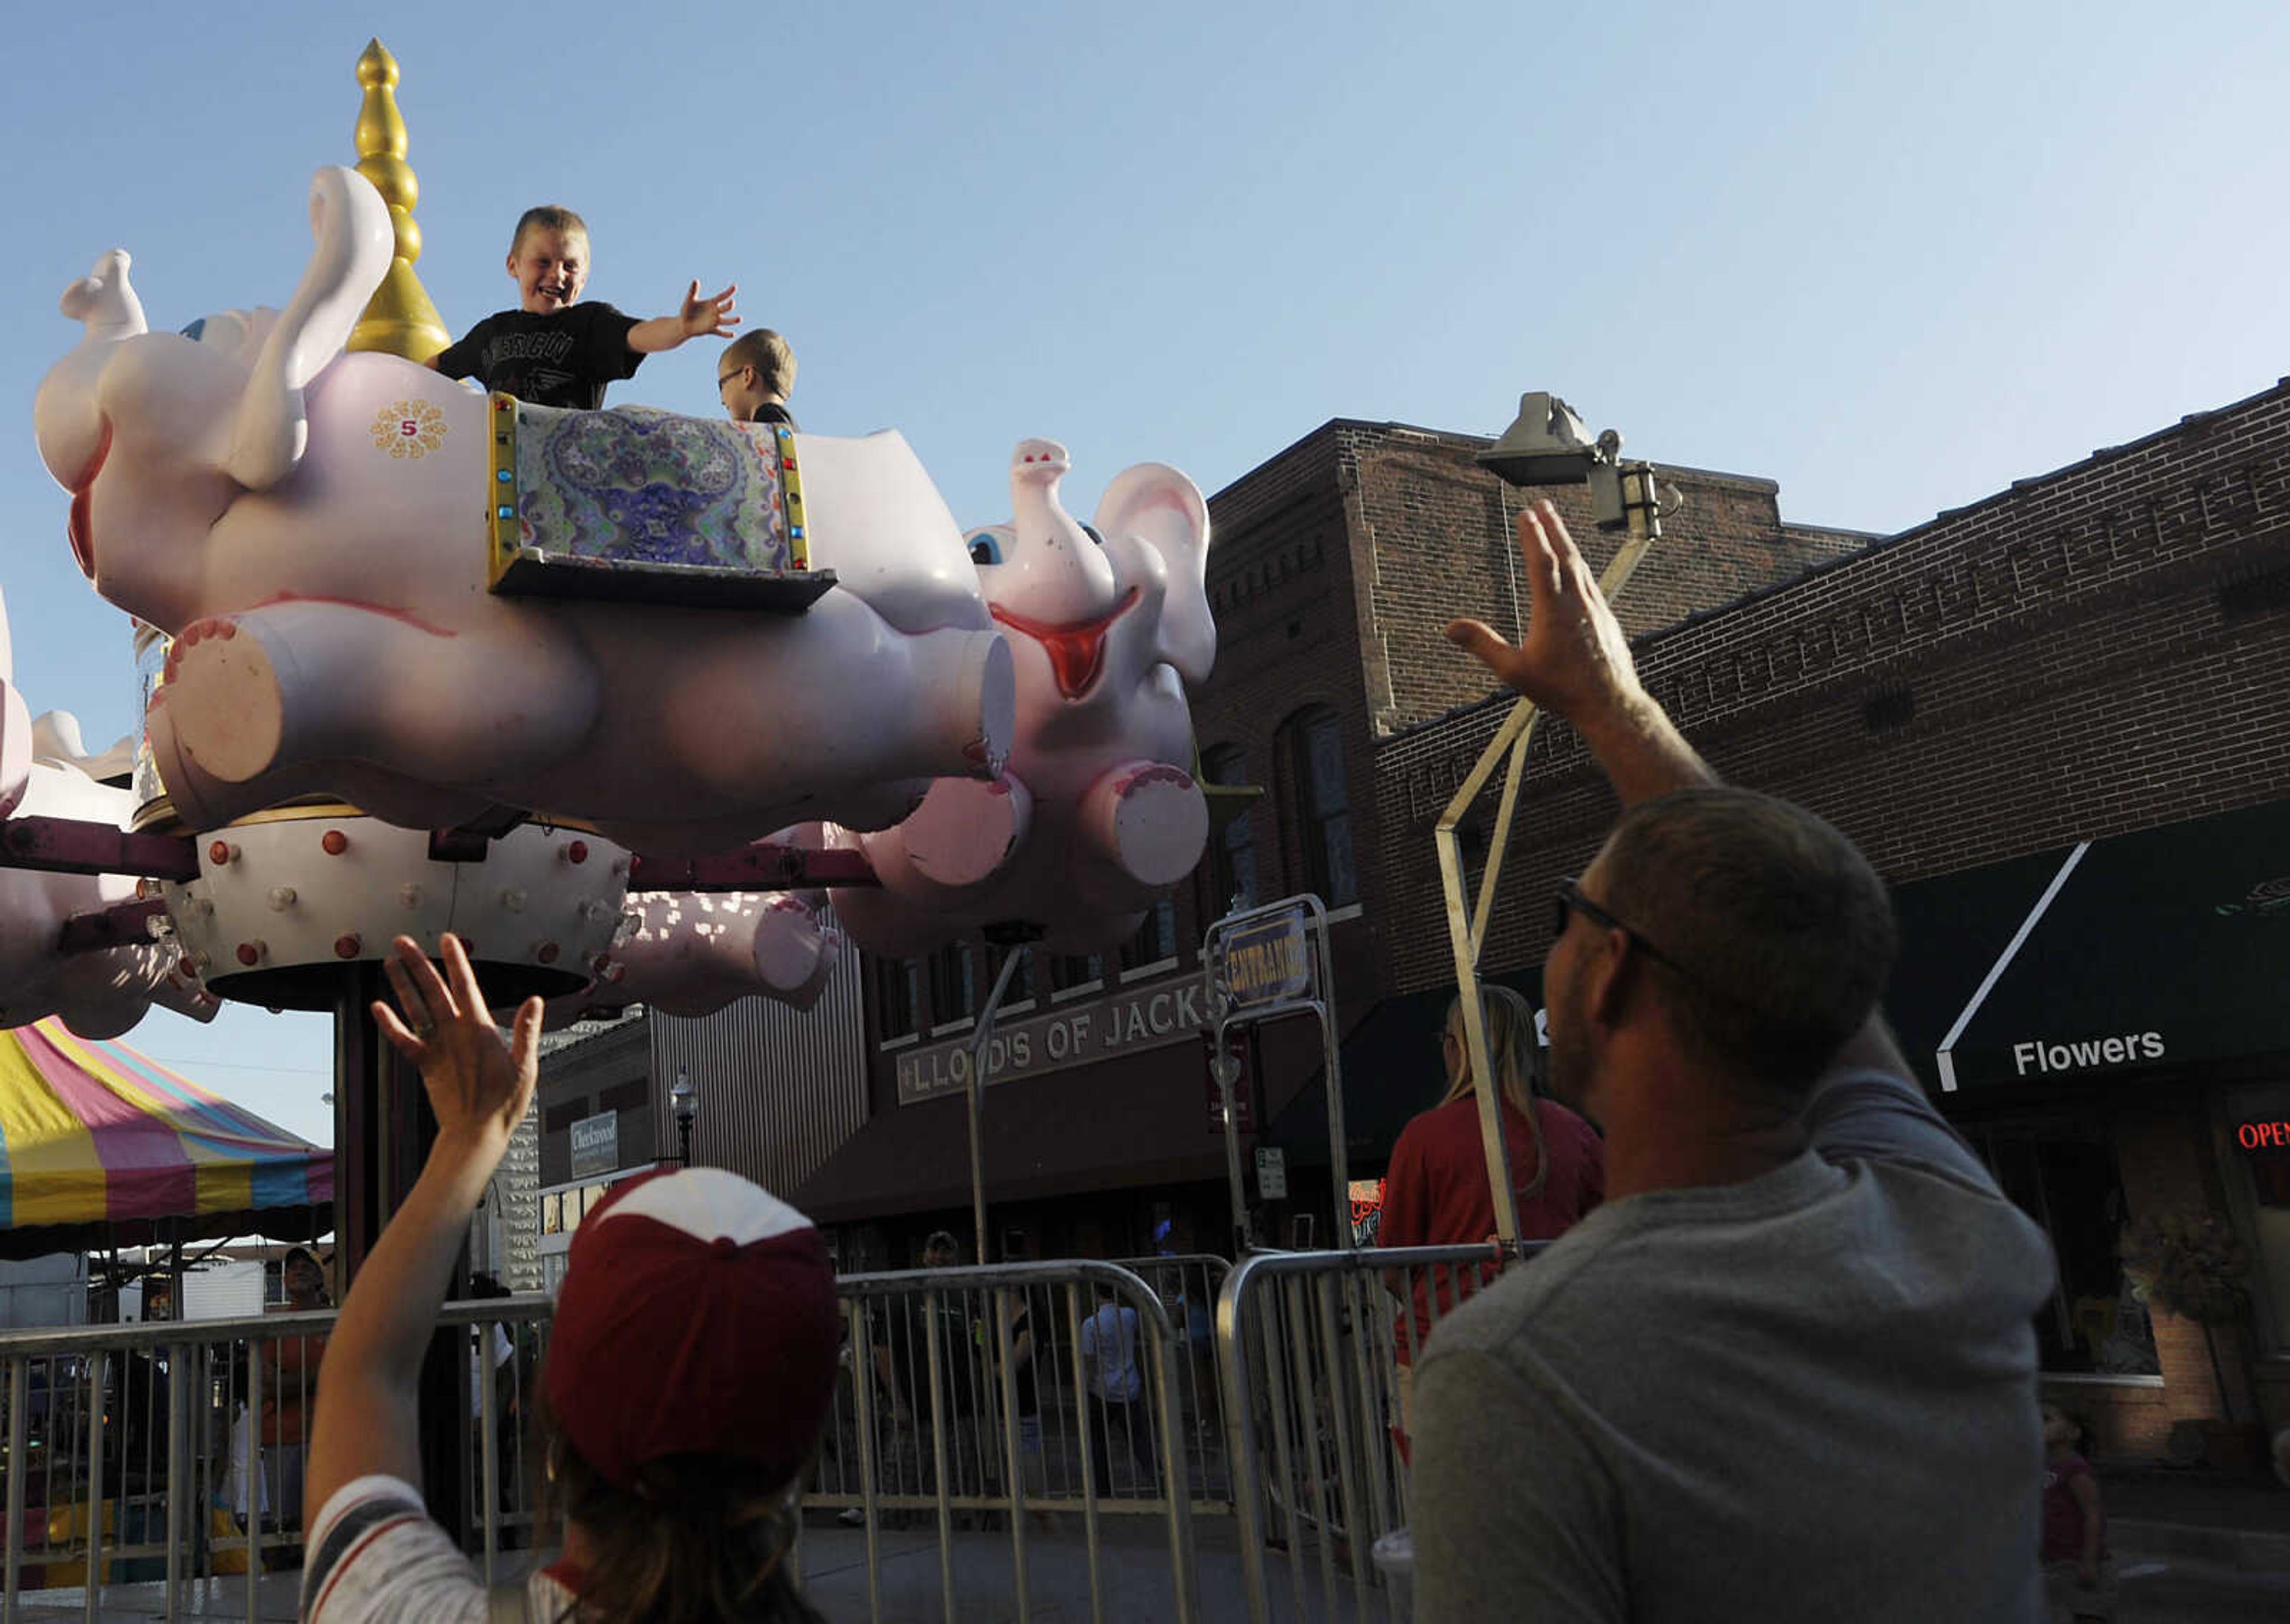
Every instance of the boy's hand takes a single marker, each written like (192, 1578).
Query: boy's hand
(480, 1080)
(703, 317)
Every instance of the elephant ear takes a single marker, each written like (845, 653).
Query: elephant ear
(354, 243)
(1163, 510)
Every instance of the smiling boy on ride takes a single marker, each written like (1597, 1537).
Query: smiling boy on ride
(556, 350)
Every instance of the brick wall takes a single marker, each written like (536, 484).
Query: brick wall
(2102, 649)
(1439, 542)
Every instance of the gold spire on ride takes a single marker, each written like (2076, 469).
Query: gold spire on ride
(399, 319)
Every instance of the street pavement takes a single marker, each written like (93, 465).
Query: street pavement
(2172, 1573)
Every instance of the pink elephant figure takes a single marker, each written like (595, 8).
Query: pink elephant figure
(690, 953)
(100, 992)
(1097, 814)
(313, 529)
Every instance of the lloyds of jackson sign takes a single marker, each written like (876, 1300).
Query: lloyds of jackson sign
(1127, 1023)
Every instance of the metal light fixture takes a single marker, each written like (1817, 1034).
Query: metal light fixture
(684, 1100)
(1546, 445)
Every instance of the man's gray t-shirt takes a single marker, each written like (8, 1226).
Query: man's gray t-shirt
(1809, 1396)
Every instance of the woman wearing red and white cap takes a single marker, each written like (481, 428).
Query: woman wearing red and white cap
(688, 1371)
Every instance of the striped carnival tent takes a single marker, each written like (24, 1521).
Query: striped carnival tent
(100, 1145)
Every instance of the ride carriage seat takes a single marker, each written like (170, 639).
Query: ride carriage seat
(636, 505)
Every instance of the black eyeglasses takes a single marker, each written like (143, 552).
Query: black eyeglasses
(723, 378)
(1571, 899)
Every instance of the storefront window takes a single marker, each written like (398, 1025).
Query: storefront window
(1075, 972)
(896, 996)
(1156, 941)
(953, 989)
(1021, 990)
(1232, 855)
(2257, 1169)
(2067, 1181)
(1324, 807)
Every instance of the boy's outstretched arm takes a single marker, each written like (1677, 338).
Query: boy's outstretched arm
(699, 318)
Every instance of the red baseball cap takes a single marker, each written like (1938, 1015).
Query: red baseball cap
(697, 1316)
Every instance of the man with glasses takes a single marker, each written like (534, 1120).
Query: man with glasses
(755, 377)
(1786, 1371)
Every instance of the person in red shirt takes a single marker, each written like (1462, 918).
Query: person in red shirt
(2079, 1575)
(1436, 1191)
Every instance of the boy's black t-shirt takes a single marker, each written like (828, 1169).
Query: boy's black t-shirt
(563, 358)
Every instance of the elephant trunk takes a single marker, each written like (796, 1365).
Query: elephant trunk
(66, 420)
(352, 245)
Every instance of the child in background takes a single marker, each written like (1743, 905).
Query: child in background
(754, 378)
(554, 350)
(2079, 1575)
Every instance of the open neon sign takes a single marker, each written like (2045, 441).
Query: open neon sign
(2264, 1135)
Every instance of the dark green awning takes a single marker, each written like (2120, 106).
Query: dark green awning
(2139, 954)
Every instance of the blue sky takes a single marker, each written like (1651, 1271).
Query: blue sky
(1893, 257)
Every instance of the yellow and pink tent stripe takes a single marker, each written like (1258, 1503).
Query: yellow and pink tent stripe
(96, 1134)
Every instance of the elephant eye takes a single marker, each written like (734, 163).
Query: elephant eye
(1091, 532)
(196, 330)
(985, 548)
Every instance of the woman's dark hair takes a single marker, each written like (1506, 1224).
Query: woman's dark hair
(693, 1539)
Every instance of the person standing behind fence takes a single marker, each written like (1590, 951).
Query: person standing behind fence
(1436, 1193)
(290, 1372)
(1112, 1364)
(1787, 1372)
(691, 1363)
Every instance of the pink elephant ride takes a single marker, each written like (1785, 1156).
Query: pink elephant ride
(1097, 813)
(321, 533)
(102, 991)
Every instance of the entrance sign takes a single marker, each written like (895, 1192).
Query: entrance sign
(1259, 963)
(1269, 961)
(596, 1144)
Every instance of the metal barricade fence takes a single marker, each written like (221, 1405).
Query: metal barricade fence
(1315, 1349)
(1017, 1399)
(173, 1452)
(1012, 1397)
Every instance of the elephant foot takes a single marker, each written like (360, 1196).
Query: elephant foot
(794, 954)
(224, 700)
(1152, 818)
(200, 799)
(965, 830)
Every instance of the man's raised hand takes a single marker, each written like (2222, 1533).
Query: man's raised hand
(1575, 660)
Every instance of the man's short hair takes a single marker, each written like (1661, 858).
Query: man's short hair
(548, 217)
(772, 356)
(943, 1240)
(1781, 933)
